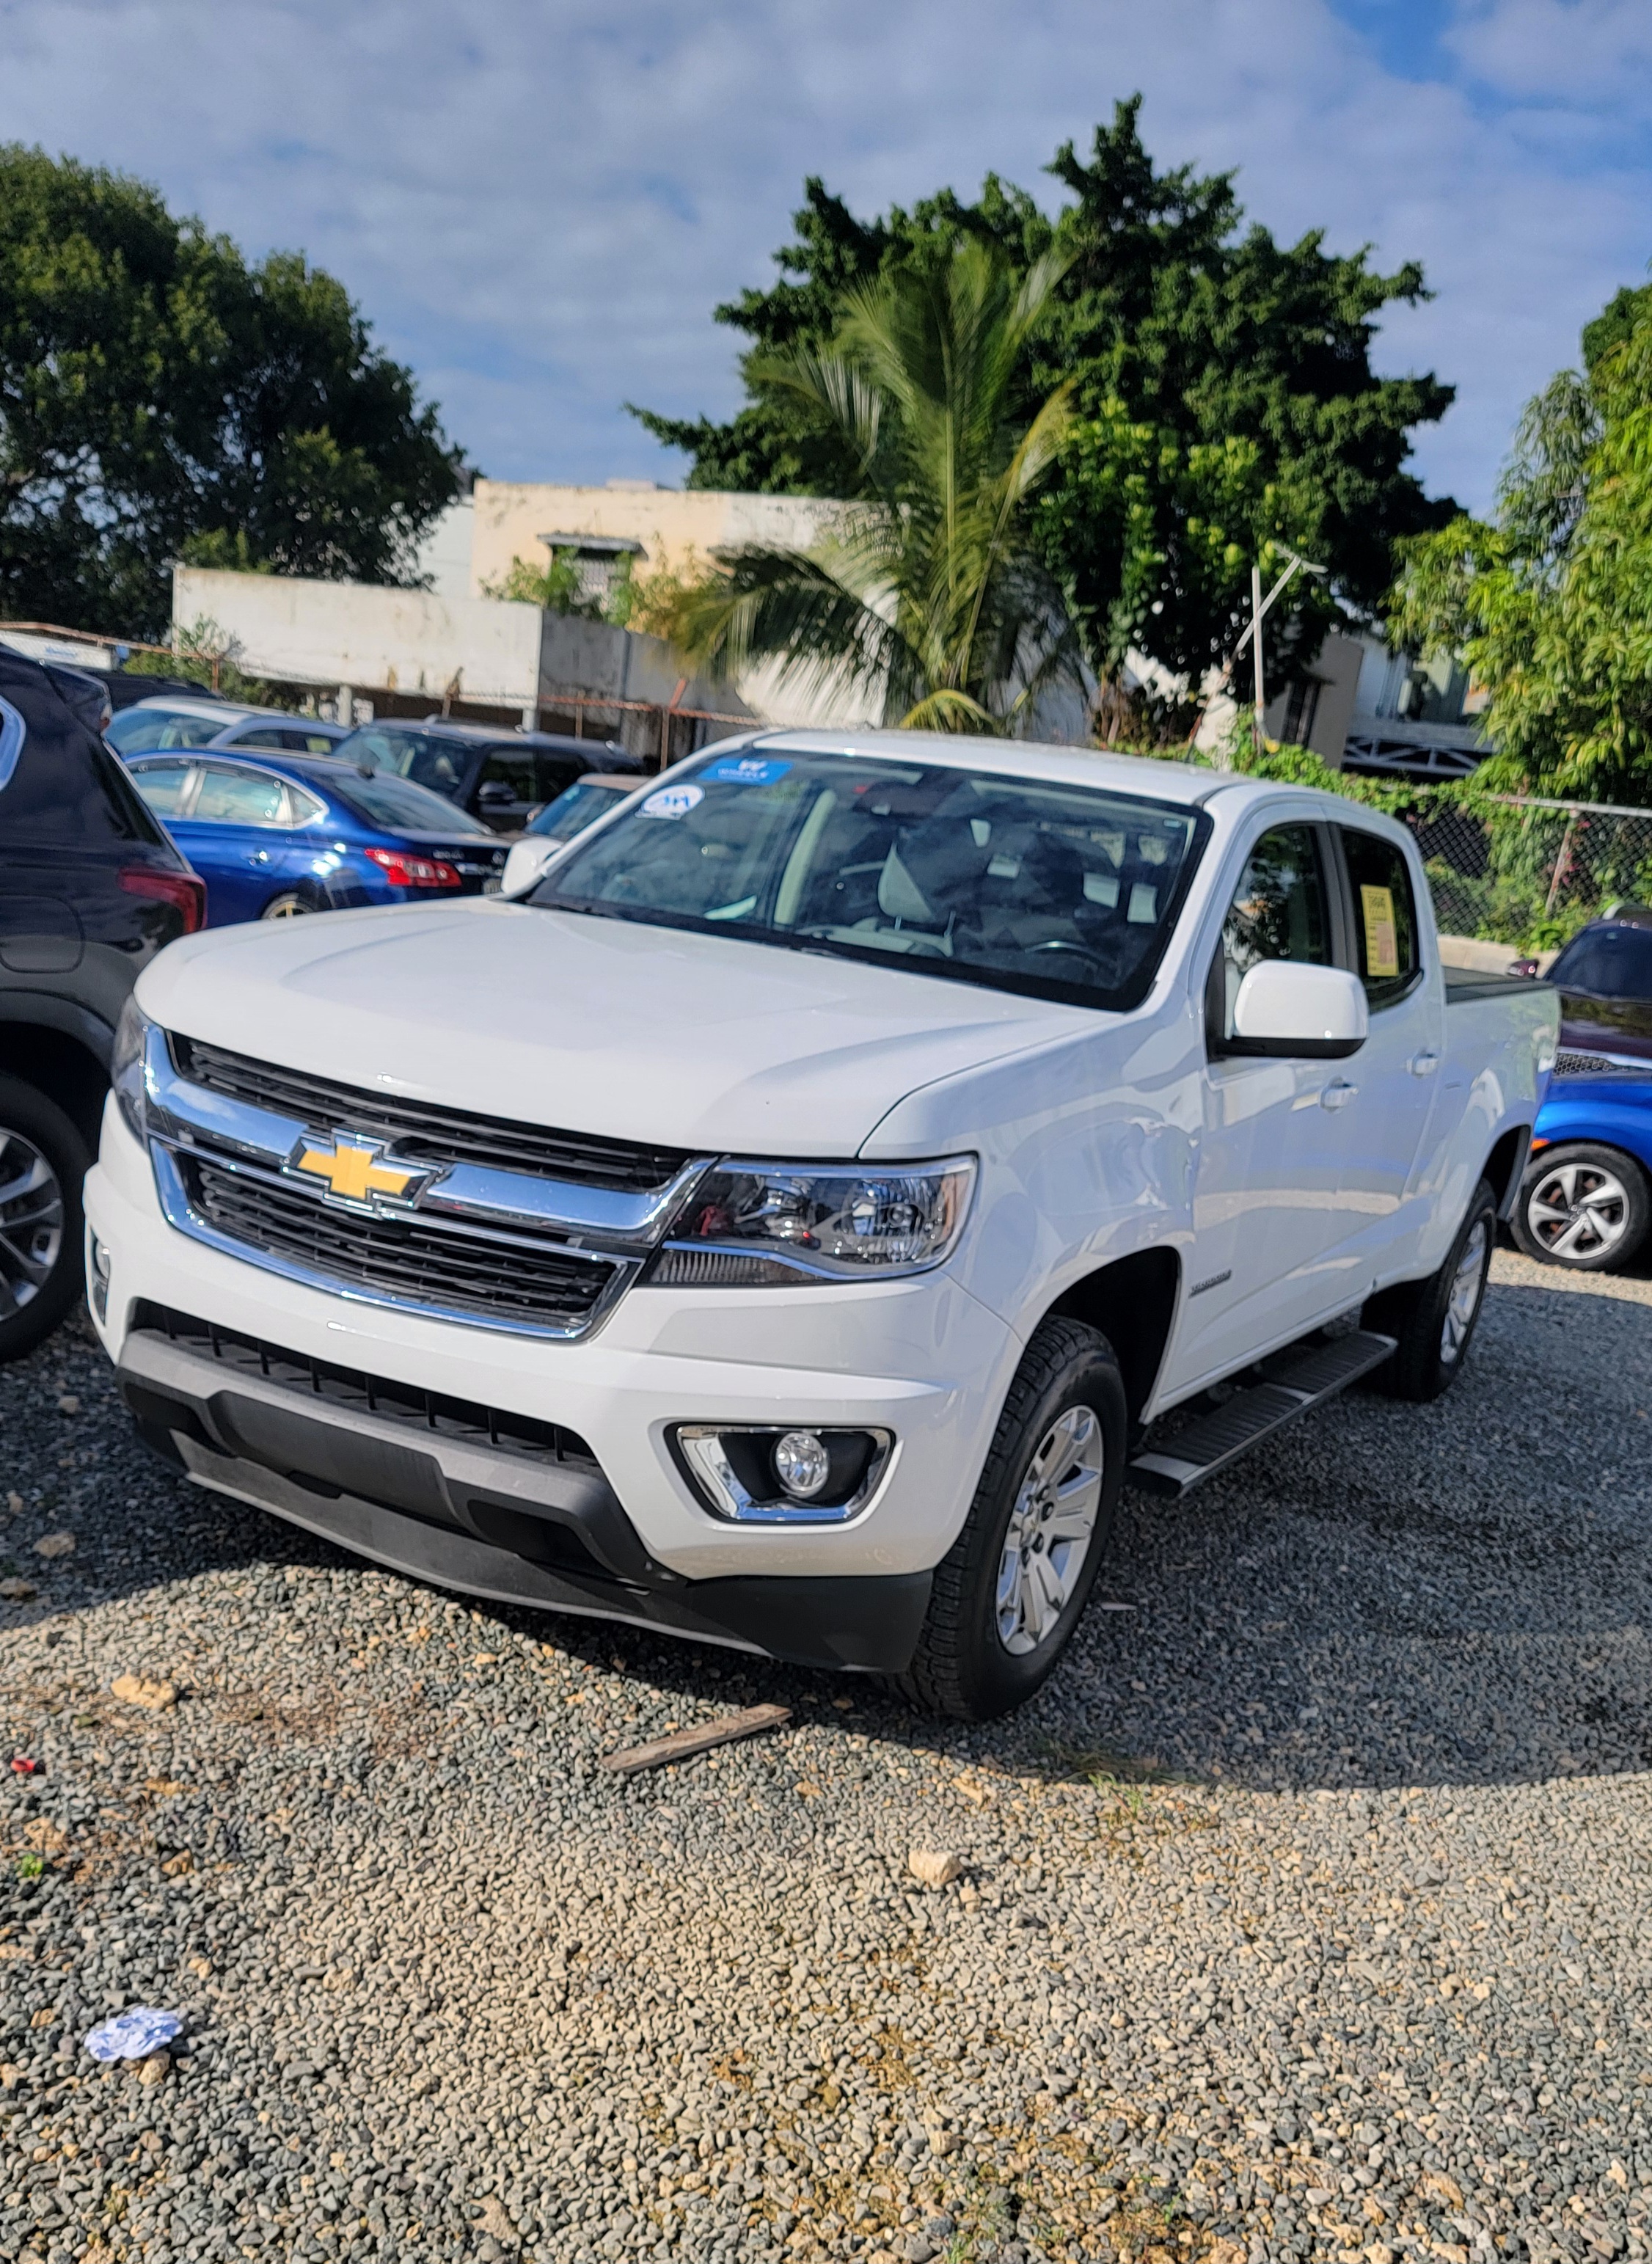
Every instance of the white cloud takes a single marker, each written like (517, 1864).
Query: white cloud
(538, 205)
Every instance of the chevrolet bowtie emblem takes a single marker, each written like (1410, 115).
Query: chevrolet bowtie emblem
(355, 1170)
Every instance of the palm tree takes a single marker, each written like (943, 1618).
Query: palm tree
(929, 588)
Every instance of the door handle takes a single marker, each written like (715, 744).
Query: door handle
(1423, 1064)
(1337, 1093)
(259, 857)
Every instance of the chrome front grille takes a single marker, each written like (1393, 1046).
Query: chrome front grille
(436, 1264)
(424, 1130)
(433, 1211)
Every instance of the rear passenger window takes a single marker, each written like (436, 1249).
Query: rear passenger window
(1278, 911)
(161, 785)
(228, 797)
(1384, 916)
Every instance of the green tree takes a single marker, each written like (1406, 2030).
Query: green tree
(929, 590)
(1223, 400)
(1551, 603)
(161, 399)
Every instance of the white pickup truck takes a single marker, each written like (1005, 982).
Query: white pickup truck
(790, 1217)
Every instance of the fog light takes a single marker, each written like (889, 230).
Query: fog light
(759, 1474)
(801, 1463)
(97, 1277)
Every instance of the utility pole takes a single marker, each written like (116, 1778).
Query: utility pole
(1259, 605)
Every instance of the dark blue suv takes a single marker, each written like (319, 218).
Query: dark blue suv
(275, 835)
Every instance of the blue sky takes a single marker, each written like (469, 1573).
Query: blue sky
(537, 202)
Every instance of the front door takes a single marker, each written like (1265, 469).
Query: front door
(1267, 1261)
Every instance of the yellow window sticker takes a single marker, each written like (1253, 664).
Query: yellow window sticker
(1382, 942)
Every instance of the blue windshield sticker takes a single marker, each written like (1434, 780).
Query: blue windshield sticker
(746, 770)
(673, 801)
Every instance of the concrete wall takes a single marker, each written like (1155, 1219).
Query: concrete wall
(414, 643)
(332, 633)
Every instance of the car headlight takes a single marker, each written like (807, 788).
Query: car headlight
(127, 1066)
(768, 1225)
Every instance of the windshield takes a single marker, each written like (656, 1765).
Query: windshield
(580, 805)
(1061, 891)
(1610, 962)
(384, 799)
(135, 730)
(428, 759)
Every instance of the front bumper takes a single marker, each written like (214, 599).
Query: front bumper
(474, 1518)
(920, 1359)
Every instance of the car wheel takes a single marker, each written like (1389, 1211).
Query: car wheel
(43, 1161)
(292, 903)
(1013, 1587)
(1435, 1319)
(1582, 1207)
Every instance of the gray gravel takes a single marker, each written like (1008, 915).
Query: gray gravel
(1306, 1913)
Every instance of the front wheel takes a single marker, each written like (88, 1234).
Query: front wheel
(1582, 1207)
(1013, 1587)
(1435, 1319)
(43, 1160)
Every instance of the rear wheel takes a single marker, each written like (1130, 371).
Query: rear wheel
(1013, 1587)
(292, 903)
(43, 1161)
(1435, 1319)
(1582, 1206)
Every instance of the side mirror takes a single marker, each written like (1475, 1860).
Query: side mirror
(496, 793)
(525, 864)
(1304, 1013)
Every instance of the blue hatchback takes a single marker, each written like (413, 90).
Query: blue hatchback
(276, 835)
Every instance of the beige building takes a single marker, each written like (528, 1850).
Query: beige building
(675, 529)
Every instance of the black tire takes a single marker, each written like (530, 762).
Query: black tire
(1435, 1319)
(1582, 1207)
(43, 1162)
(963, 1665)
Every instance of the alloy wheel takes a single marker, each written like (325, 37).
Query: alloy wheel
(1577, 1211)
(1050, 1531)
(1468, 1284)
(31, 1223)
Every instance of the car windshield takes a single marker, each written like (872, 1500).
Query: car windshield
(575, 808)
(1607, 962)
(1061, 891)
(136, 729)
(384, 799)
(428, 757)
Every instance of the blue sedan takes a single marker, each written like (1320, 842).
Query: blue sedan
(277, 835)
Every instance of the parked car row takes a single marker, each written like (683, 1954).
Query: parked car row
(283, 815)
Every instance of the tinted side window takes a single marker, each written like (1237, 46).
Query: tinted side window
(1384, 916)
(1278, 911)
(509, 767)
(238, 797)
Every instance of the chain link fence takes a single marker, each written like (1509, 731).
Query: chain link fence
(1528, 872)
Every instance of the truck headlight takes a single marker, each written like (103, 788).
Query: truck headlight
(127, 1066)
(765, 1225)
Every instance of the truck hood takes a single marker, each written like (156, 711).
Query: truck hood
(587, 1025)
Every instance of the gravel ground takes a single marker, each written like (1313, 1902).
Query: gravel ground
(1304, 1914)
